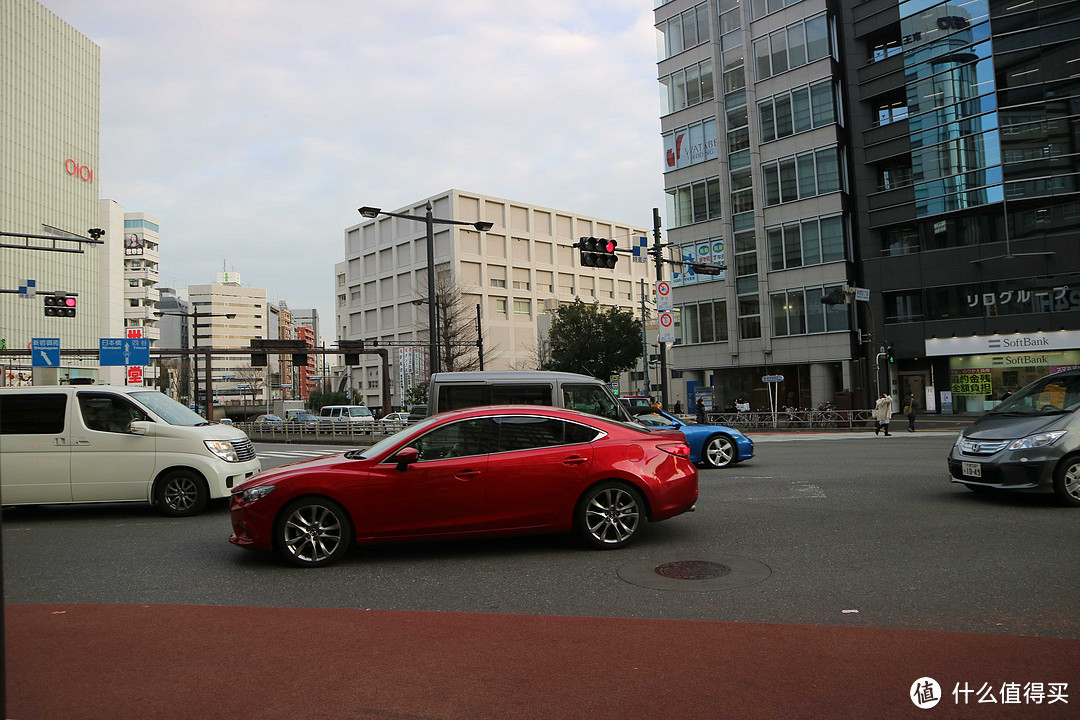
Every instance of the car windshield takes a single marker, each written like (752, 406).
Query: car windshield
(1051, 395)
(168, 409)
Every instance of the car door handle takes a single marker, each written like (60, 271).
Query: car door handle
(82, 442)
(575, 460)
(467, 474)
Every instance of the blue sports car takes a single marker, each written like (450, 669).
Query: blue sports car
(714, 446)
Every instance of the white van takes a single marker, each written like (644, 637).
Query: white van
(456, 390)
(347, 414)
(62, 444)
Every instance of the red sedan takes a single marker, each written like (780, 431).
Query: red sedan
(482, 471)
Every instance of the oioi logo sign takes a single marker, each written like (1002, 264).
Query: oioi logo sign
(83, 172)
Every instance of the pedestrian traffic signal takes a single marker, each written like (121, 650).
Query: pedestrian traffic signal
(60, 306)
(597, 252)
(889, 354)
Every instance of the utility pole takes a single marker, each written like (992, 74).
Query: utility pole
(657, 253)
(644, 342)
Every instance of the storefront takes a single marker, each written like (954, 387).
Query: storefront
(983, 370)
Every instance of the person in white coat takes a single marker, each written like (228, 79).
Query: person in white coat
(882, 414)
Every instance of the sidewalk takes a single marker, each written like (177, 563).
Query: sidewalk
(131, 662)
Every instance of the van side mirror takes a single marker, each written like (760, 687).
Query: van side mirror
(139, 427)
(405, 457)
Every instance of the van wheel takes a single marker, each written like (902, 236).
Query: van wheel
(1067, 481)
(181, 493)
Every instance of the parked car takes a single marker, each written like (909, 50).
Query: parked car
(267, 421)
(480, 471)
(226, 421)
(417, 413)
(347, 414)
(714, 446)
(306, 420)
(1028, 443)
(395, 419)
(87, 443)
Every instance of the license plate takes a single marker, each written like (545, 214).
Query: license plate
(972, 469)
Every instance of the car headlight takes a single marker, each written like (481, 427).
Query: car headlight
(1036, 441)
(223, 449)
(252, 494)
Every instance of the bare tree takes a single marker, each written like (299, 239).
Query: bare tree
(457, 324)
(253, 377)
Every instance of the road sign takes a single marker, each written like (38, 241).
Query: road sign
(772, 378)
(27, 289)
(614, 383)
(124, 351)
(667, 327)
(45, 352)
(134, 375)
(663, 297)
(862, 294)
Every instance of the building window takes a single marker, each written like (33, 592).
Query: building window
(704, 322)
(687, 87)
(796, 111)
(791, 47)
(498, 282)
(500, 306)
(523, 307)
(697, 202)
(690, 145)
(749, 317)
(811, 242)
(805, 175)
(686, 30)
(521, 285)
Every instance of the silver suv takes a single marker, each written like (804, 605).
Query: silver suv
(1030, 442)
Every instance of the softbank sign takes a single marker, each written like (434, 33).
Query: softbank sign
(995, 344)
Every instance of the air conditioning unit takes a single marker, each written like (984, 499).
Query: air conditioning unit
(551, 304)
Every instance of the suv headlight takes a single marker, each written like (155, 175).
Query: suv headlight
(223, 449)
(1036, 441)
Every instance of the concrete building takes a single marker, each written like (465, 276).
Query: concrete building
(922, 152)
(248, 305)
(49, 126)
(524, 266)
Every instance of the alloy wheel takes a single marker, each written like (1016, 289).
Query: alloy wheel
(612, 516)
(312, 534)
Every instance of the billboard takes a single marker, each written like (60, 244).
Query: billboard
(134, 244)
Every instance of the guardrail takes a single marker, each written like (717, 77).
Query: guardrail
(320, 431)
(796, 419)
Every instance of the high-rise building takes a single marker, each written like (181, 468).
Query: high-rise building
(49, 159)
(496, 281)
(913, 164)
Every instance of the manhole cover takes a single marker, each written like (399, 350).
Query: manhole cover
(692, 570)
(709, 574)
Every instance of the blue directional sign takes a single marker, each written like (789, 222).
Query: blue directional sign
(124, 351)
(45, 352)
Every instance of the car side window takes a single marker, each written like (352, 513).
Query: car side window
(515, 394)
(457, 397)
(592, 399)
(521, 432)
(32, 413)
(461, 439)
(108, 413)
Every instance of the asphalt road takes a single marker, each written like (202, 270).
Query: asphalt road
(835, 530)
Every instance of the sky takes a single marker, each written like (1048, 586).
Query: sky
(254, 129)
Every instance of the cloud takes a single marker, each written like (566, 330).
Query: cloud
(253, 129)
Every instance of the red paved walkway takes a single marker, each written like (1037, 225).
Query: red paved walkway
(180, 661)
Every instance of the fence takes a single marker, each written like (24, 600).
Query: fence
(795, 419)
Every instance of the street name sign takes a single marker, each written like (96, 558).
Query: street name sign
(45, 352)
(124, 351)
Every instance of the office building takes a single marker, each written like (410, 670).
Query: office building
(49, 126)
(912, 163)
(496, 281)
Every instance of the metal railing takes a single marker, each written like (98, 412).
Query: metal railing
(319, 431)
(795, 419)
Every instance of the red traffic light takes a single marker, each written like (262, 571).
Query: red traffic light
(69, 302)
(610, 246)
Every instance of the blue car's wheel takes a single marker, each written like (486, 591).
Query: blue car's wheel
(719, 451)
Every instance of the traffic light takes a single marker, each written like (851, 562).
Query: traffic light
(889, 353)
(597, 252)
(60, 306)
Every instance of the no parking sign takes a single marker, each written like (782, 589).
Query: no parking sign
(667, 327)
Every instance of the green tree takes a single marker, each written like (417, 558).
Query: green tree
(416, 395)
(592, 340)
(318, 399)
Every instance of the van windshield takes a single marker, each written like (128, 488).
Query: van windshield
(595, 400)
(168, 409)
(1049, 396)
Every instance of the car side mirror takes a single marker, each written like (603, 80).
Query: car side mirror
(139, 427)
(405, 457)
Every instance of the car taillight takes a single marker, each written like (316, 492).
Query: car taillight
(680, 449)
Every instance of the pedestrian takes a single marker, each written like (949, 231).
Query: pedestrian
(741, 405)
(909, 410)
(654, 403)
(700, 408)
(678, 407)
(882, 414)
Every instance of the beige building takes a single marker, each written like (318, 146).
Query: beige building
(218, 299)
(524, 266)
(49, 160)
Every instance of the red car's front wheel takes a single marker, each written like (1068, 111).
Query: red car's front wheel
(312, 532)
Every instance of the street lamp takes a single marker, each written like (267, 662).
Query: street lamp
(195, 315)
(429, 223)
